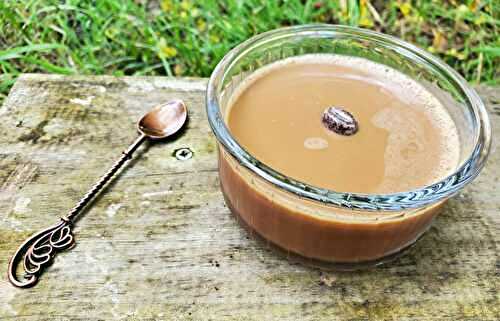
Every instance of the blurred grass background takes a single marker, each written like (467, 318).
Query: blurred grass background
(187, 38)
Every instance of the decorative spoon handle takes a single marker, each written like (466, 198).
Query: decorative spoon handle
(40, 249)
(126, 155)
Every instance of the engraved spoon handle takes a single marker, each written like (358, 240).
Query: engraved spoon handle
(126, 155)
(40, 249)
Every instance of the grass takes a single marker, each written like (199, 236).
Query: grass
(187, 38)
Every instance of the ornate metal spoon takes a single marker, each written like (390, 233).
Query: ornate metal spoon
(39, 250)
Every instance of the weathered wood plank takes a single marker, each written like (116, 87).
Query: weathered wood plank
(160, 243)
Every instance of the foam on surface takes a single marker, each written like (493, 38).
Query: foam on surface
(407, 90)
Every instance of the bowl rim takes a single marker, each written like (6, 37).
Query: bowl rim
(398, 201)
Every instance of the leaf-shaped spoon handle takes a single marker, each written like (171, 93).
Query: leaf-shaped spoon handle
(40, 249)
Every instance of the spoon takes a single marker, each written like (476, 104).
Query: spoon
(39, 250)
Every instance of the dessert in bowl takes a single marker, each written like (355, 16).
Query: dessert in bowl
(340, 145)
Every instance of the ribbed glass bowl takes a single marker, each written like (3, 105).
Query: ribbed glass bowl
(347, 217)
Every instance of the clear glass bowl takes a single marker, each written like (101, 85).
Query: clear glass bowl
(334, 228)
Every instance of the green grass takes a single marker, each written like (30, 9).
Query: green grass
(187, 38)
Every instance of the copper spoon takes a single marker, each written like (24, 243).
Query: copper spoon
(39, 250)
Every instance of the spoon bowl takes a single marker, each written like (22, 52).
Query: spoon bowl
(163, 120)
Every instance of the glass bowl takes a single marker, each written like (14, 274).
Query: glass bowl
(334, 228)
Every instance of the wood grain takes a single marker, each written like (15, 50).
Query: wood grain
(160, 244)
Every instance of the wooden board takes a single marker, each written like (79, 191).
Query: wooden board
(160, 244)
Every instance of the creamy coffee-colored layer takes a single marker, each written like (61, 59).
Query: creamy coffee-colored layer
(406, 138)
(317, 231)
